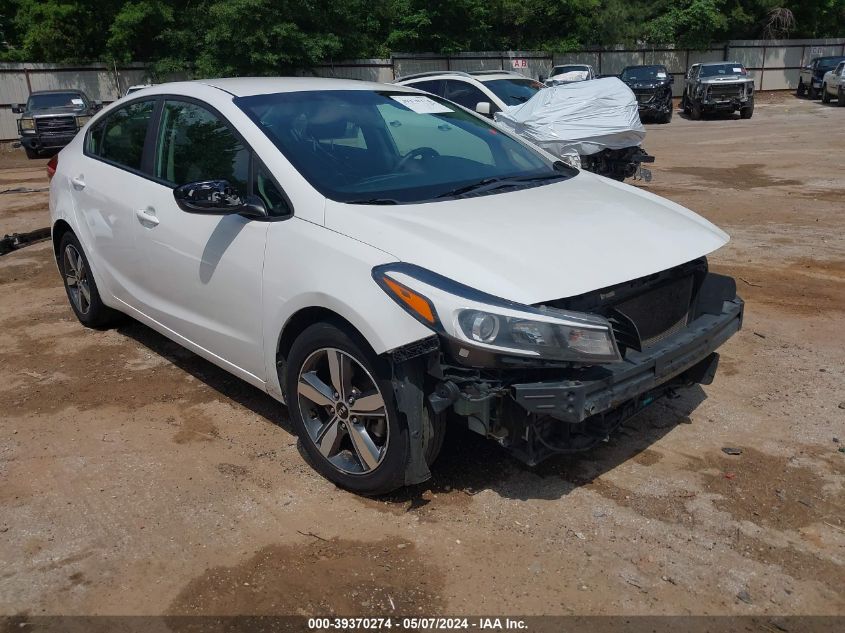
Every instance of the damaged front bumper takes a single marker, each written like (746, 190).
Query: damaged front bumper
(602, 388)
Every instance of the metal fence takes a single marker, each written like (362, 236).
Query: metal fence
(774, 65)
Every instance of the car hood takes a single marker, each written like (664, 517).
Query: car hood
(537, 244)
(646, 85)
(63, 111)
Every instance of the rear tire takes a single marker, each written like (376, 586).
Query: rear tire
(840, 97)
(685, 104)
(667, 117)
(80, 286)
(812, 93)
(359, 448)
(825, 94)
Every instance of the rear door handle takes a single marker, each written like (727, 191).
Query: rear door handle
(147, 217)
(78, 183)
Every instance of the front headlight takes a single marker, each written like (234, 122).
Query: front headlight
(476, 320)
(27, 124)
(82, 120)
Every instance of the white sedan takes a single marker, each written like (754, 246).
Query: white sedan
(388, 264)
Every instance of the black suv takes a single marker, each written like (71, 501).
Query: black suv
(51, 118)
(652, 86)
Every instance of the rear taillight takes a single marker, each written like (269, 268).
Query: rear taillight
(51, 166)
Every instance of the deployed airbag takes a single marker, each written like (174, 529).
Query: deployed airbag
(578, 118)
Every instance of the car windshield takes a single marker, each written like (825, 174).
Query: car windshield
(828, 63)
(514, 91)
(716, 70)
(57, 100)
(383, 147)
(644, 73)
(572, 68)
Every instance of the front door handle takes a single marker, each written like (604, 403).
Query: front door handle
(147, 217)
(78, 183)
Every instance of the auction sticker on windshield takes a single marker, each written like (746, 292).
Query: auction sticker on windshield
(421, 104)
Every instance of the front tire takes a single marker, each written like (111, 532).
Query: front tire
(80, 286)
(812, 92)
(840, 97)
(341, 402)
(825, 94)
(31, 154)
(748, 111)
(695, 111)
(667, 117)
(801, 90)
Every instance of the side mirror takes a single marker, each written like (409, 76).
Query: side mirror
(217, 197)
(671, 79)
(483, 107)
(18, 108)
(98, 104)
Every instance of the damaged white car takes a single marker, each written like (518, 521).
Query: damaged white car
(591, 124)
(388, 264)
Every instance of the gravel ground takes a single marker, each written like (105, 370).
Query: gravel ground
(140, 479)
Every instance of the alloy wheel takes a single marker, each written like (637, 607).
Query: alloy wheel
(343, 411)
(76, 278)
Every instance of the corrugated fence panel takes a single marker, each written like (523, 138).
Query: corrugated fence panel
(8, 123)
(96, 84)
(613, 62)
(12, 87)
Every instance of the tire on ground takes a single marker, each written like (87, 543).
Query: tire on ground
(92, 312)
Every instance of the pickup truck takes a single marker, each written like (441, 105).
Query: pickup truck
(810, 79)
(51, 118)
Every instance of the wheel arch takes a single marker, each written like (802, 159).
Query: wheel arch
(60, 228)
(298, 322)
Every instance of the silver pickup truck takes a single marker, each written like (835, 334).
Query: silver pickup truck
(718, 87)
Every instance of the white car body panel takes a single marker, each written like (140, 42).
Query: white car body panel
(224, 286)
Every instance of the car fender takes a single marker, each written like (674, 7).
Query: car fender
(338, 278)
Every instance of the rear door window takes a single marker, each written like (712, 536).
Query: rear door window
(119, 136)
(434, 87)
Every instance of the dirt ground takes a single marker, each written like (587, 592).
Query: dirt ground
(136, 478)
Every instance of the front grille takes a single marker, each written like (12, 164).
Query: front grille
(657, 313)
(56, 125)
(725, 91)
(644, 96)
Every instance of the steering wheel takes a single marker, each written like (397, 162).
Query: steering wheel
(421, 152)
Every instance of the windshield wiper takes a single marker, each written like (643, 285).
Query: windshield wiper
(373, 201)
(489, 184)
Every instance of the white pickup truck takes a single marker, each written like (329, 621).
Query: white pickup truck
(833, 86)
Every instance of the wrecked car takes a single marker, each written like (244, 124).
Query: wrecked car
(593, 125)
(652, 85)
(51, 118)
(718, 87)
(570, 73)
(388, 264)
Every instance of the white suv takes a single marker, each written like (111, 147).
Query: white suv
(383, 261)
(485, 92)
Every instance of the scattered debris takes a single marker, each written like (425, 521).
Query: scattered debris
(760, 335)
(729, 450)
(730, 475)
(15, 241)
(25, 190)
(750, 284)
(668, 579)
(744, 596)
(836, 527)
(842, 405)
(317, 536)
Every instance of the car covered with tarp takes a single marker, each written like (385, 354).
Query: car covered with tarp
(591, 124)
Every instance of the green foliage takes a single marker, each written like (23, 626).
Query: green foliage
(237, 37)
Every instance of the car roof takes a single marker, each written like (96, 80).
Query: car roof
(726, 63)
(571, 65)
(251, 86)
(645, 66)
(478, 75)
